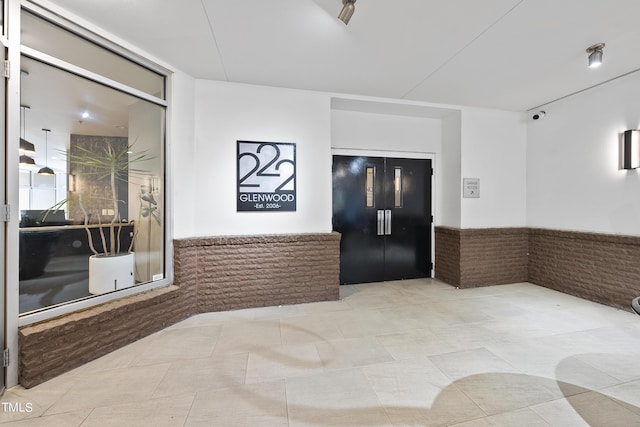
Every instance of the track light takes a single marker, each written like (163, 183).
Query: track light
(595, 55)
(349, 6)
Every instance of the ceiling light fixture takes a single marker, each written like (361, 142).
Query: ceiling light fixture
(46, 170)
(349, 6)
(26, 160)
(26, 147)
(595, 55)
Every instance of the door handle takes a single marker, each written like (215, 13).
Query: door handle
(387, 222)
(380, 222)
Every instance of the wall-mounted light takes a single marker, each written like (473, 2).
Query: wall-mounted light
(595, 55)
(73, 183)
(630, 150)
(349, 6)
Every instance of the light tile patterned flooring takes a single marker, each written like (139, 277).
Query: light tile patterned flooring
(406, 353)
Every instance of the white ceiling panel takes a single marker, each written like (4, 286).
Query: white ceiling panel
(538, 54)
(507, 54)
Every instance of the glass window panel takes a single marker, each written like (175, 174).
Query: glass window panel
(370, 186)
(53, 40)
(122, 130)
(25, 199)
(44, 181)
(42, 198)
(25, 178)
(397, 187)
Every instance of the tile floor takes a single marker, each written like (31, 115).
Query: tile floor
(407, 353)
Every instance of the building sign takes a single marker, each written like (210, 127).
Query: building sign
(266, 176)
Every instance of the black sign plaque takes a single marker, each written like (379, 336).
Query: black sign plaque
(266, 176)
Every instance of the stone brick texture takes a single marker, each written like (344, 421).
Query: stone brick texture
(258, 271)
(480, 257)
(604, 268)
(210, 274)
(447, 254)
(50, 348)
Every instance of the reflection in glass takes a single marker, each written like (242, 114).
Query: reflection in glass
(107, 195)
(370, 186)
(53, 40)
(397, 187)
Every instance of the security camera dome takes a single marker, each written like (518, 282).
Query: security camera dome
(539, 115)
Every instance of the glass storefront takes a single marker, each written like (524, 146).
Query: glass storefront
(96, 120)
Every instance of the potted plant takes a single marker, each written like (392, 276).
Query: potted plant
(102, 168)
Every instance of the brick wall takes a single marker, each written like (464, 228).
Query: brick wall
(480, 257)
(447, 251)
(600, 267)
(210, 274)
(50, 348)
(257, 271)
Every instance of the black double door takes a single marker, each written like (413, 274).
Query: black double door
(382, 208)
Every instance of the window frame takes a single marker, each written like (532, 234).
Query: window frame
(102, 42)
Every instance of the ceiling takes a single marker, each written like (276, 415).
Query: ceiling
(505, 54)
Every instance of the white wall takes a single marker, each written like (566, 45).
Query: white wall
(385, 135)
(450, 173)
(227, 112)
(476, 143)
(367, 131)
(494, 150)
(181, 171)
(573, 180)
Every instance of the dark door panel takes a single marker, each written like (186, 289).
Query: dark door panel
(382, 208)
(355, 216)
(408, 195)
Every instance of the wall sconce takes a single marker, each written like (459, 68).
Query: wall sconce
(630, 150)
(73, 185)
(154, 184)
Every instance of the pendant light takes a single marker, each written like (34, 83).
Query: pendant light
(26, 160)
(26, 147)
(46, 170)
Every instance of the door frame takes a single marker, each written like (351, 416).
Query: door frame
(405, 155)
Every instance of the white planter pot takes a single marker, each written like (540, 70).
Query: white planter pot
(112, 272)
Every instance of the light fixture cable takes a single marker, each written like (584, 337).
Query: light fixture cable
(26, 147)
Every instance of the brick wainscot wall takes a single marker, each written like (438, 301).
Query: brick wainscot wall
(470, 257)
(210, 274)
(604, 268)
